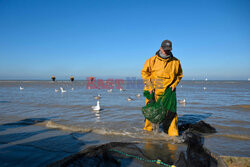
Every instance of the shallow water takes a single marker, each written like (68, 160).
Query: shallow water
(224, 104)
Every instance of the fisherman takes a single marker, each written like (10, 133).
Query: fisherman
(160, 72)
(53, 78)
(72, 78)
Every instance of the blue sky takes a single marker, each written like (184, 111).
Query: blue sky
(113, 38)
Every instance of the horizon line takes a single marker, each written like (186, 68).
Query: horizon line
(117, 79)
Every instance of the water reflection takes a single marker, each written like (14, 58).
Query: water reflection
(164, 151)
(182, 104)
(97, 115)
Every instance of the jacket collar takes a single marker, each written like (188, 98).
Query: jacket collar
(166, 59)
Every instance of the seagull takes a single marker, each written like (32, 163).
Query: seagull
(204, 88)
(98, 97)
(181, 86)
(97, 107)
(56, 90)
(121, 89)
(21, 88)
(182, 101)
(138, 95)
(62, 90)
(110, 90)
(130, 99)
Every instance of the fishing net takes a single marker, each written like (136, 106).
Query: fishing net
(155, 111)
(137, 154)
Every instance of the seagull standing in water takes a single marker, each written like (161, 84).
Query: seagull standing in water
(56, 90)
(110, 90)
(130, 99)
(122, 89)
(62, 90)
(138, 95)
(182, 101)
(97, 107)
(21, 88)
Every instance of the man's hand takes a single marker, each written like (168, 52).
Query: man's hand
(172, 88)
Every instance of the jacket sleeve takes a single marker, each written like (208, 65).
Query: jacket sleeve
(146, 75)
(179, 76)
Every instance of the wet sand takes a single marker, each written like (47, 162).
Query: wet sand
(236, 161)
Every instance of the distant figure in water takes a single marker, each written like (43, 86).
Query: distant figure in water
(72, 78)
(53, 78)
(165, 70)
(91, 79)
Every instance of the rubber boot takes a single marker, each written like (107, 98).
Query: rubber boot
(173, 128)
(148, 126)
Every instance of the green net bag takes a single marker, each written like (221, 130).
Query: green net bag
(155, 111)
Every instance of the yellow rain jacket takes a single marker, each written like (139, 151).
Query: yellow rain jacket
(159, 74)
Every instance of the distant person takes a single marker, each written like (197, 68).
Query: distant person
(160, 72)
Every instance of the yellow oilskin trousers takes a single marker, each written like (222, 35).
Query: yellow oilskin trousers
(173, 128)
